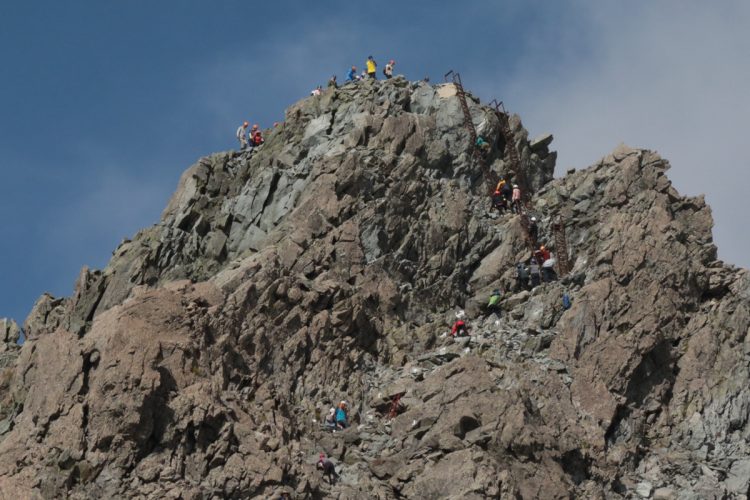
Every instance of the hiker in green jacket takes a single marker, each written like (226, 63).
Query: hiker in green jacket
(493, 306)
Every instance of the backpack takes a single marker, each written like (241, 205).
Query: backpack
(566, 301)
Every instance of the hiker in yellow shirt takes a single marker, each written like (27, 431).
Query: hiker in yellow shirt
(372, 67)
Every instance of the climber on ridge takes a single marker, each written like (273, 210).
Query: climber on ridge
(256, 137)
(548, 270)
(242, 135)
(459, 329)
(341, 416)
(498, 201)
(330, 420)
(372, 68)
(522, 277)
(534, 272)
(351, 76)
(542, 254)
(516, 199)
(493, 306)
(533, 230)
(507, 191)
(332, 82)
(482, 145)
(329, 470)
(388, 70)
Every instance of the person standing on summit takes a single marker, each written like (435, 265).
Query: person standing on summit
(372, 68)
(256, 137)
(242, 135)
(388, 70)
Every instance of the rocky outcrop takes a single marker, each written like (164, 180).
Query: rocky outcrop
(10, 335)
(328, 265)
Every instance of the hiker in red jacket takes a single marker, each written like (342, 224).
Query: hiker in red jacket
(256, 136)
(459, 329)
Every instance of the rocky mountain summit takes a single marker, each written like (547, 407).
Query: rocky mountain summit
(328, 264)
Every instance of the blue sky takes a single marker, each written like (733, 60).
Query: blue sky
(104, 104)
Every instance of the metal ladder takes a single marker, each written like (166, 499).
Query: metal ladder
(510, 147)
(561, 246)
(515, 164)
(558, 226)
(491, 177)
(518, 173)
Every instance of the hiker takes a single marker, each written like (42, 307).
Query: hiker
(533, 230)
(459, 329)
(351, 76)
(388, 70)
(332, 82)
(493, 306)
(482, 145)
(329, 470)
(516, 199)
(542, 254)
(548, 270)
(372, 68)
(507, 191)
(256, 136)
(317, 90)
(341, 416)
(538, 254)
(545, 253)
(522, 277)
(498, 201)
(534, 272)
(242, 135)
(330, 420)
(566, 301)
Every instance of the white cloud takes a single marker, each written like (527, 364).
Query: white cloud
(670, 76)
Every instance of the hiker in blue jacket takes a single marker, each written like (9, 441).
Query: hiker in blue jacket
(341, 417)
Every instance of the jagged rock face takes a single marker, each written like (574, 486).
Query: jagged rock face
(10, 334)
(341, 156)
(328, 265)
